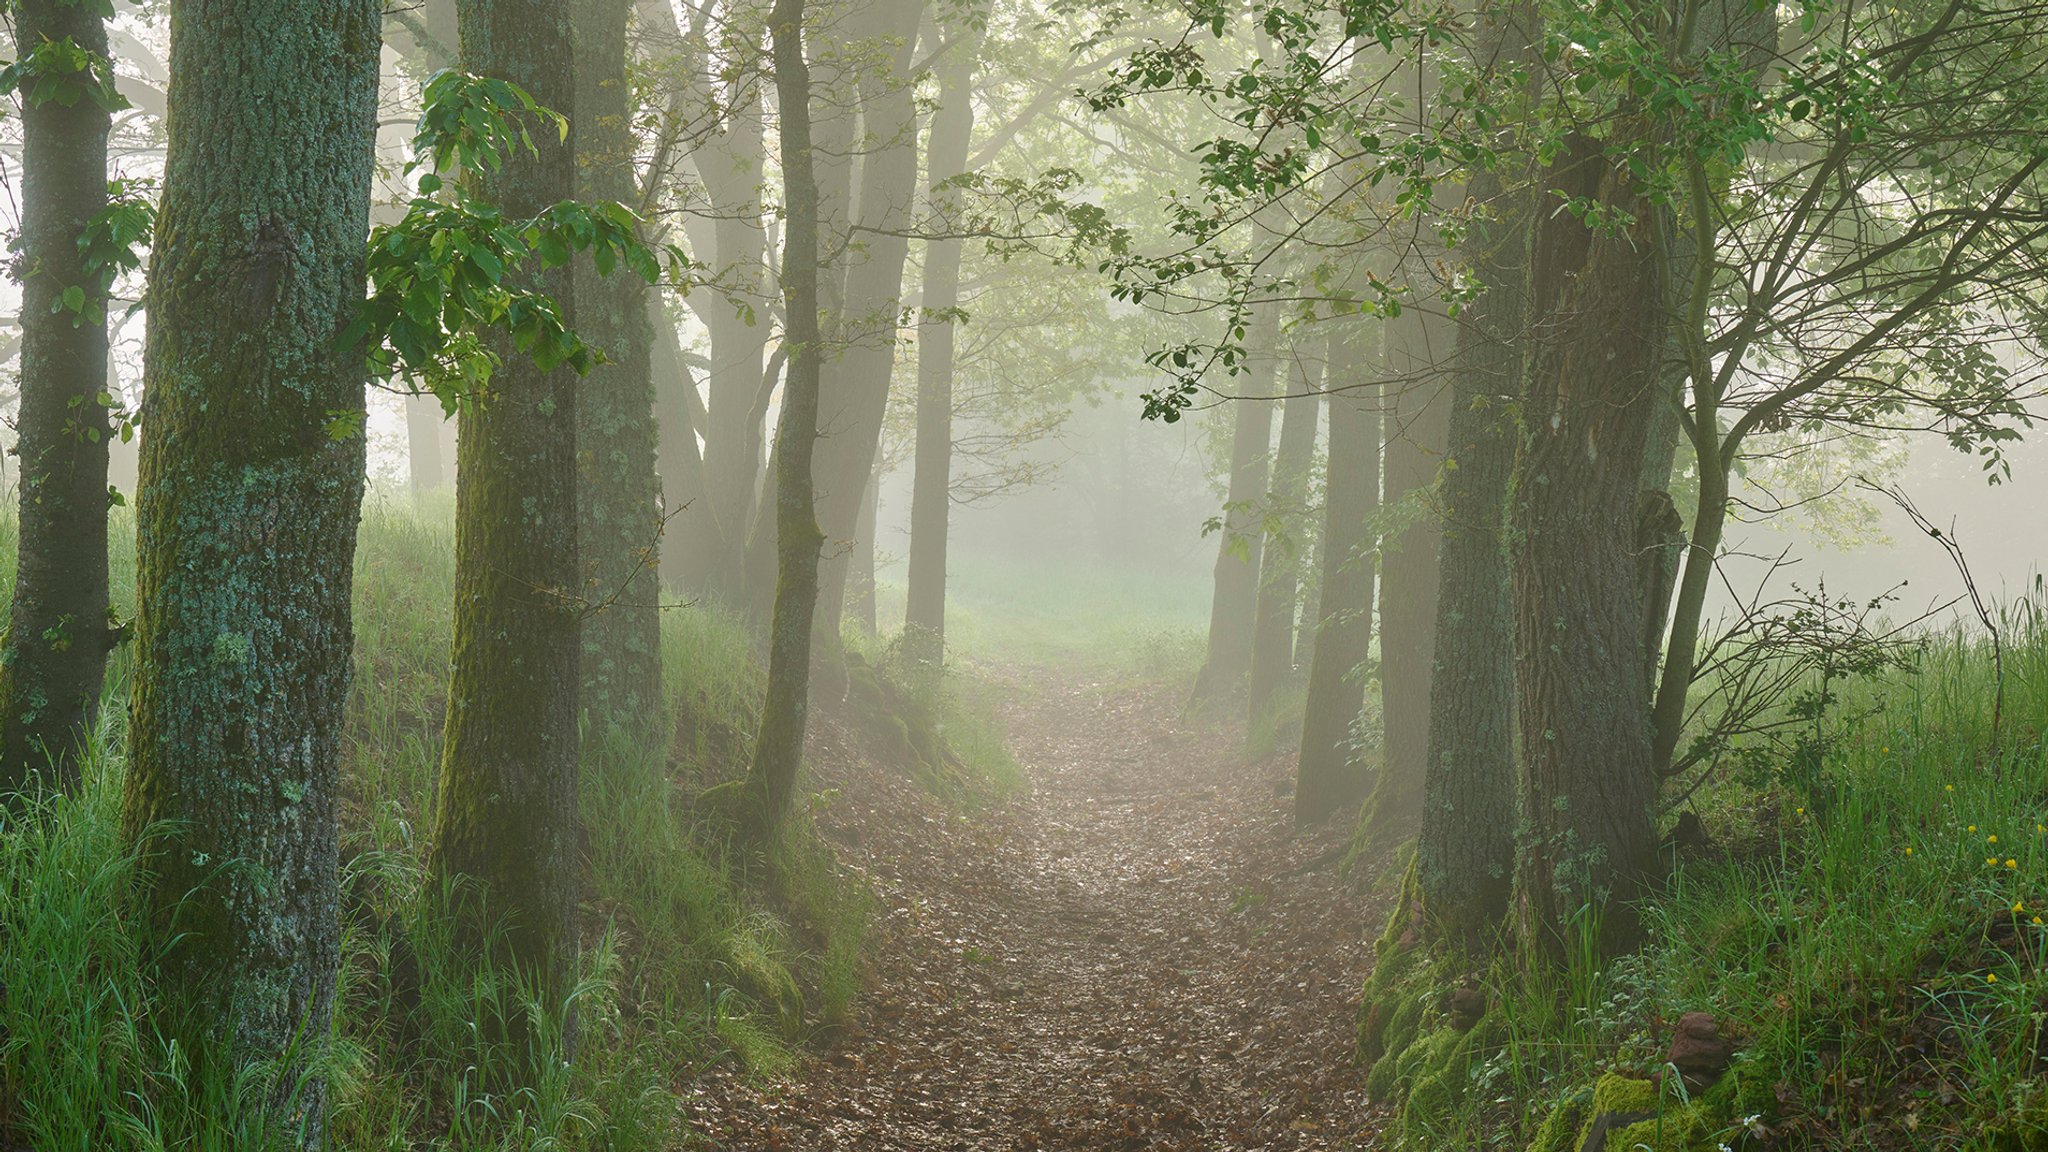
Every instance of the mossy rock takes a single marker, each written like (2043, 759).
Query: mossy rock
(1623, 1114)
(1559, 1131)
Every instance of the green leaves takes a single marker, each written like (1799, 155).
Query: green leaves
(455, 268)
(63, 73)
(472, 123)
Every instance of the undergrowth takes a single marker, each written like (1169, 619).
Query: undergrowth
(1868, 929)
(693, 952)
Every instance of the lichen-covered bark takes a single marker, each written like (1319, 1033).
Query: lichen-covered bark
(1584, 723)
(506, 816)
(1329, 775)
(931, 488)
(53, 658)
(252, 482)
(1234, 593)
(620, 517)
(779, 749)
(1280, 569)
(1418, 348)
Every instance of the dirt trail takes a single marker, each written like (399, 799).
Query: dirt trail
(1138, 954)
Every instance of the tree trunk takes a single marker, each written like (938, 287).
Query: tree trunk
(931, 485)
(1280, 567)
(246, 527)
(676, 457)
(1330, 777)
(861, 580)
(832, 122)
(1589, 788)
(1418, 347)
(53, 658)
(857, 399)
(1233, 602)
(1465, 855)
(506, 817)
(779, 750)
(731, 168)
(619, 517)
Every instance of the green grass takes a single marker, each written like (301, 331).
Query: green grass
(1093, 619)
(1875, 951)
(693, 953)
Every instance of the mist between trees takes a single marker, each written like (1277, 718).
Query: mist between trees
(481, 465)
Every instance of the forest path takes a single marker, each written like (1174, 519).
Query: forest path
(1140, 953)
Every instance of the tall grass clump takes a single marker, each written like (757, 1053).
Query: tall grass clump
(1870, 930)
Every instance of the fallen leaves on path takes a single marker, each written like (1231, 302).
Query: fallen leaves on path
(1141, 953)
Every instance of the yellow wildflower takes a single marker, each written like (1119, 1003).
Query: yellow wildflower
(1973, 827)
(2011, 863)
(1991, 839)
(1991, 977)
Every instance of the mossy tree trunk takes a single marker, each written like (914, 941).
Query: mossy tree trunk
(778, 752)
(931, 487)
(1584, 722)
(1330, 776)
(1281, 555)
(252, 484)
(1465, 854)
(619, 522)
(54, 656)
(1234, 593)
(1418, 348)
(506, 816)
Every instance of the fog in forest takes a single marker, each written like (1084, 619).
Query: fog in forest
(1024, 575)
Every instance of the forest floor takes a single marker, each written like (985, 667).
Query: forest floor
(1139, 952)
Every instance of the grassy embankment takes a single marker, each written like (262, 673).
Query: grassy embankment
(1870, 933)
(693, 953)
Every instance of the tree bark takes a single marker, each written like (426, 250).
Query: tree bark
(1280, 567)
(252, 484)
(1465, 854)
(1330, 776)
(1418, 348)
(506, 817)
(1233, 602)
(619, 515)
(779, 750)
(856, 398)
(931, 486)
(53, 658)
(1589, 787)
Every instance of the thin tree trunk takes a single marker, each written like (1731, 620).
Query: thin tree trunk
(1418, 347)
(246, 528)
(931, 491)
(1589, 787)
(1465, 855)
(857, 399)
(1280, 567)
(779, 750)
(731, 168)
(506, 817)
(53, 659)
(676, 457)
(1233, 602)
(862, 578)
(1330, 776)
(619, 517)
